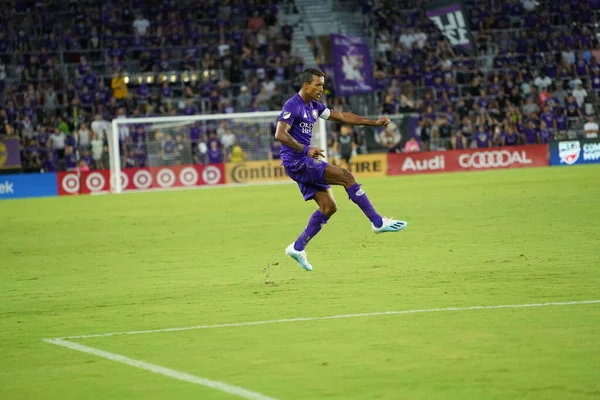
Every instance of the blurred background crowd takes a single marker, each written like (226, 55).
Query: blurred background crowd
(67, 68)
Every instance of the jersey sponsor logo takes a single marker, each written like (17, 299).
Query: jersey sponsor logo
(306, 127)
(493, 159)
(286, 115)
(569, 152)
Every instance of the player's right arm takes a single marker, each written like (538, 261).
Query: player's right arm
(283, 135)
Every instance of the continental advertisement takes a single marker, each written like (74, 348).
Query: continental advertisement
(362, 165)
(255, 172)
(365, 165)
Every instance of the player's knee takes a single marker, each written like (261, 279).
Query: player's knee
(329, 209)
(348, 178)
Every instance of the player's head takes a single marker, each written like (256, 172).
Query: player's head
(313, 80)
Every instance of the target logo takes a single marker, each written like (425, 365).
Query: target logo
(124, 180)
(142, 179)
(95, 182)
(70, 183)
(188, 176)
(165, 178)
(211, 175)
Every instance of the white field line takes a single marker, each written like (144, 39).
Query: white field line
(157, 369)
(341, 316)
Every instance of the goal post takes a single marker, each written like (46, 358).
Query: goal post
(165, 150)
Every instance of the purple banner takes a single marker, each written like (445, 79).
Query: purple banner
(352, 65)
(451, 19)
(10, 154)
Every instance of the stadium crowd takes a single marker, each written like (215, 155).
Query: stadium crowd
(536, 74)
(68, 68)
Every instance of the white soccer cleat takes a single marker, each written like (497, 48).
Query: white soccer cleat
(299, 256)
(390, 225)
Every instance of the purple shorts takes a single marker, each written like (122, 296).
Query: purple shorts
(309, 175)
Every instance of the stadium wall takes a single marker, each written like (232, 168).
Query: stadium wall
(571, 152)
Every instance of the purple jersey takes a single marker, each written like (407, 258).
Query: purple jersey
(561, 122)
(511, 139)
(596, 82)
(548, 118)
(530, 135)
(545, 135)
(301, 117)
(215, 156)
(482, 139)
(70, 161)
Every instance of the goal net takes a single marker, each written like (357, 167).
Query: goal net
(196, 150)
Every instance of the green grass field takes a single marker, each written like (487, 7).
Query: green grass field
(97, 264)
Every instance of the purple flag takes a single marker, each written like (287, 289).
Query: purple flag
(10, 155)
(352, 65)
(450, 18)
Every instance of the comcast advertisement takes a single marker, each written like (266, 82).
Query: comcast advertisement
(572, 152)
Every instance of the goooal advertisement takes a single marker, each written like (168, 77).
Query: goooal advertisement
(572, 152)
(468, 160)
(141, 178)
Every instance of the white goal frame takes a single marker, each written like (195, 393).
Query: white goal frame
(319, 134)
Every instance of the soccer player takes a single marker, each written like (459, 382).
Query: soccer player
(304, 164)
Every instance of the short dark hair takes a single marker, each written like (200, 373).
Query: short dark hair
(308, 73)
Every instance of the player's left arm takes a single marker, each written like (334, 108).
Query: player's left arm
(353, 119)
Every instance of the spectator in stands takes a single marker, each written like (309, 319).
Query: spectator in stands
(83, 136)
(70, 160)
(97, 146)
(412, 145)
(169, 151)
(119, 86)
(57, 143)
(214, 153)
(33, 156)
(86, 157)
(591, 128)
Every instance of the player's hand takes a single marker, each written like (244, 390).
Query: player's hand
(382, 121)
(315, 152)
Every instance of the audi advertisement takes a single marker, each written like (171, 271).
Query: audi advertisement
(468, 160)
(70, 183)
(574, 152)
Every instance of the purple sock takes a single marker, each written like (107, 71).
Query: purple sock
(359, 197)
(315, 223)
